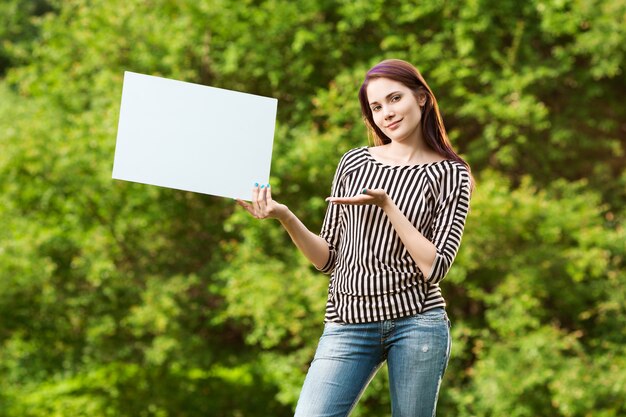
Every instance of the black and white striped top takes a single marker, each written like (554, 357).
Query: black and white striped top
(373, 276)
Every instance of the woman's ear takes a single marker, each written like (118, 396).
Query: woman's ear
(421, 98)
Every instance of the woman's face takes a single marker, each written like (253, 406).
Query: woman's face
(395, 109)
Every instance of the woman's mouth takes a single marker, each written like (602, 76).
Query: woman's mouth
(393, 125)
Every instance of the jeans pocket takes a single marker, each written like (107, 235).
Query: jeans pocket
(334, 324)
(434, 316)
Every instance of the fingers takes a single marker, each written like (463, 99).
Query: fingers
(262, 204)
(365, 196)
(255, 197)
(246, 206)
(355, 200)
(260, 201)
(372, 191)
(268, 194)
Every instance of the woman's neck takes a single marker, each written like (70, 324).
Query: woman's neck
(413, 151)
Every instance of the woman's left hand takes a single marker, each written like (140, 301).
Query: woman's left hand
(377, 196)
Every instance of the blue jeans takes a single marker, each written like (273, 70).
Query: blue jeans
(417, 349)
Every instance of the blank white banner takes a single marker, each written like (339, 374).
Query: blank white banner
(192, 137)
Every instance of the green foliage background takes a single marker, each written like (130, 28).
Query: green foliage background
(119, 299)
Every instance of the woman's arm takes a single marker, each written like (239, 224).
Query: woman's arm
(421, 249)
(263, 206)
(433, 257)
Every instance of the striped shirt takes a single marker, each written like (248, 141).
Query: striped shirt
(373, 276)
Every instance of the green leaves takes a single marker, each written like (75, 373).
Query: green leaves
(125, 299)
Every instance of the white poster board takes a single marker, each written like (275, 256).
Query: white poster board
(193, 137)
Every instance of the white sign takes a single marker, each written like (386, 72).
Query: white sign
(193, 137)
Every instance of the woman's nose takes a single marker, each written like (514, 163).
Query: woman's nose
(388, 112)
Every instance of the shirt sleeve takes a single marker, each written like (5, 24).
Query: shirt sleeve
(450, 214)
(333, 225)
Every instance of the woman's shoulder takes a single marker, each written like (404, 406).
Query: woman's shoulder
(449, 175)
(450, 166)
(350, 161)
(353, 155)
(354, 152)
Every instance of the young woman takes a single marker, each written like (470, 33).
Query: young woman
(391, 231)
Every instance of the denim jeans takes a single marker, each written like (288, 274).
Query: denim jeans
(417, 349)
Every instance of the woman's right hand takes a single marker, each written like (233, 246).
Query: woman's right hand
(314, 247)
(262, 205)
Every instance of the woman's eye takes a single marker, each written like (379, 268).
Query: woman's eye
(375, 108)
(395, 98)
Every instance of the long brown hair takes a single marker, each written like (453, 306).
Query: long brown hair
(433, 129)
